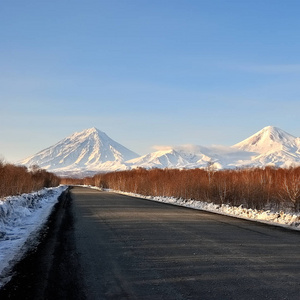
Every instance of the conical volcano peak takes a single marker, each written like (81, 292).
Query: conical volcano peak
(92, 130)
(92, 133)
(270, 128)
(270, 138)
(89, 149)
(276, 133)
(89, 131)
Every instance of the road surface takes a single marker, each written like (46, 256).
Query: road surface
(100, 245)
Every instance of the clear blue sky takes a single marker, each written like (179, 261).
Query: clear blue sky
(147, 72)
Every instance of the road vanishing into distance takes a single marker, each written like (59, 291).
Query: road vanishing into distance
(100, 245)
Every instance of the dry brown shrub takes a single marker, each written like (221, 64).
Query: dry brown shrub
(252, 187)
(15, 180)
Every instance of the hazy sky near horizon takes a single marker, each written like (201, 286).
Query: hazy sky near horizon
(147, 72)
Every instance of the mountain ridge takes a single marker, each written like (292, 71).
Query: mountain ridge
(92, 151)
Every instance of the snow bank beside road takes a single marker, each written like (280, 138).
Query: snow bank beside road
(20, 218)
(266, 216)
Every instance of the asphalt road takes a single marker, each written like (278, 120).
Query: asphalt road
(101, 245)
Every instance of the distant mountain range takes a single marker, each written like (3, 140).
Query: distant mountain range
(92, 151)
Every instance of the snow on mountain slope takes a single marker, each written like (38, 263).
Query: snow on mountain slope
(271, 146)
(90, 149)
(184, 157)
(199, 156)
(268, 139)
(159, 159)
(190, 156)
(218, 156)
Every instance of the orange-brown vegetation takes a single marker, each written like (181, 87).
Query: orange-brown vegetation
(15, 180)
(253, 188)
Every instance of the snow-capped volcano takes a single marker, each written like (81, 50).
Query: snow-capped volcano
(268, 139)
(87, 150)
(92, 151)
(271, 146)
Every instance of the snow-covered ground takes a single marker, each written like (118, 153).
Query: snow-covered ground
(20, 219)
(281, 218)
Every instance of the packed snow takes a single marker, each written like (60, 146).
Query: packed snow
(92, 151)
(288, 220)
(21, 217)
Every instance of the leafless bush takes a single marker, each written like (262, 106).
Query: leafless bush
(16, 180)
(253, 188)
